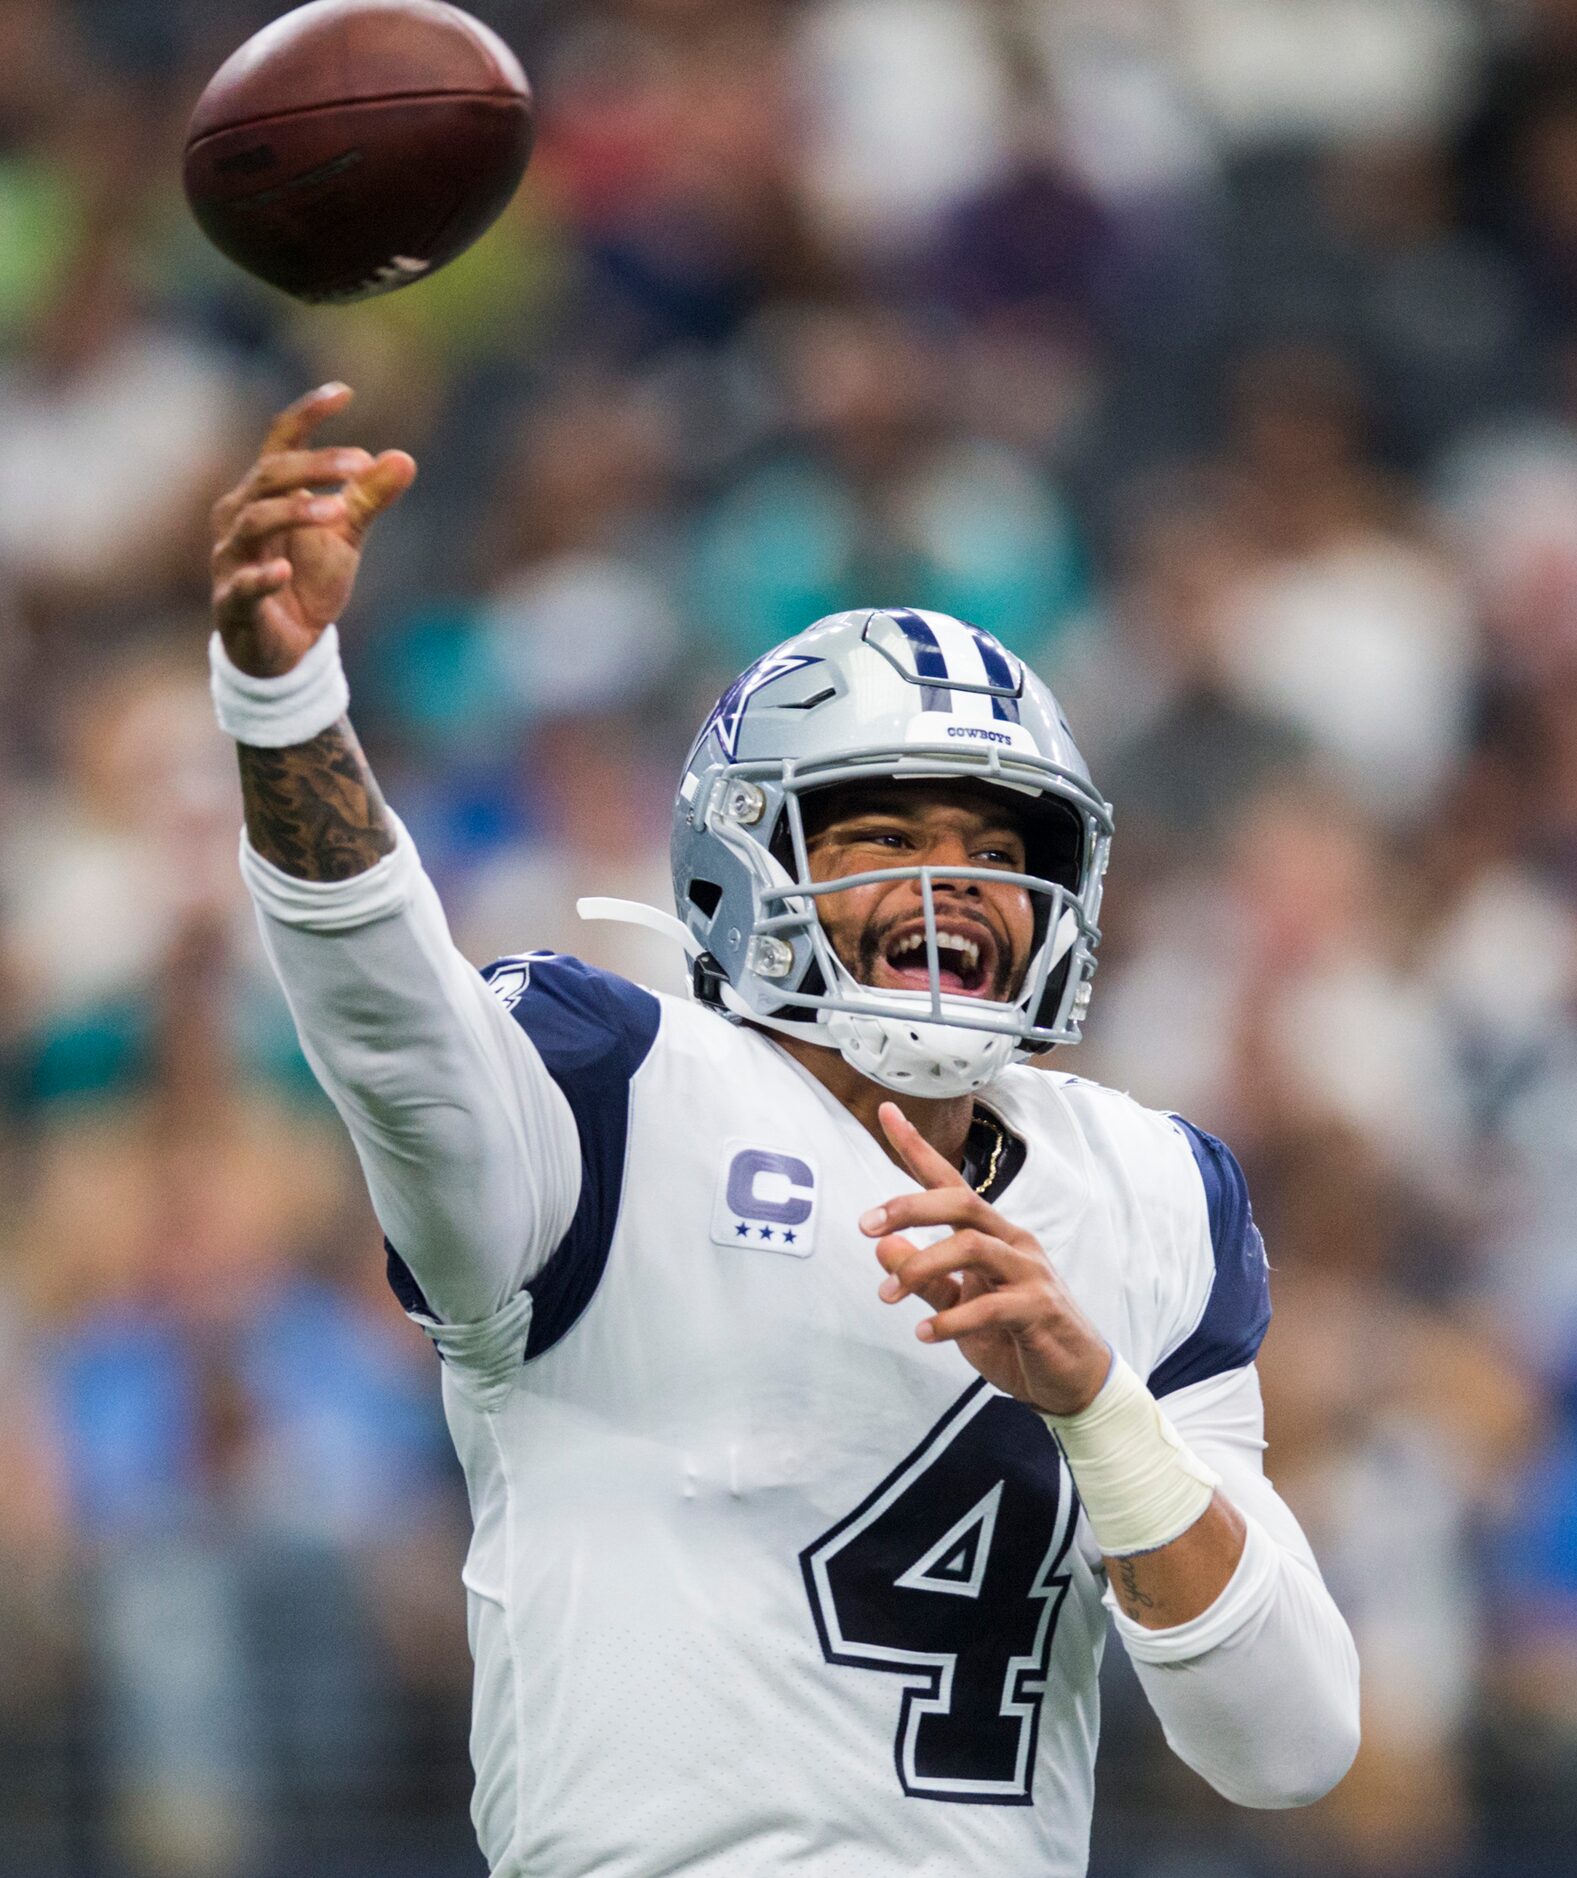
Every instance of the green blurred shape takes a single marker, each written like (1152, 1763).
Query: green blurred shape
(41, 221)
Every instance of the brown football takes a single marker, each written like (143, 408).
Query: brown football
(354, 146)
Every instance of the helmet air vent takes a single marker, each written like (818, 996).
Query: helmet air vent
(707, 895)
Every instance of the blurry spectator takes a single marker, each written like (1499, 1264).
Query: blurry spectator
(1273, 70)
(880, 501)
(1397, 1430)
(1353, 627)
(579, 617)
(602, 801)
(1154, 697)
(1278, 988)
(104, 869)
(227, 1428)
(1437, 314)
(113, 430)
(904, 102)
(668, 140)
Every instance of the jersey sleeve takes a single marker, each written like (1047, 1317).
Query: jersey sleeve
(1225, 1331)
(469, 1142)
(592, 1031)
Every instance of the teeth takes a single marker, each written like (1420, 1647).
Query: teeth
(967, 949)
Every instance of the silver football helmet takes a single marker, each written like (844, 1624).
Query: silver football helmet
(878, 696)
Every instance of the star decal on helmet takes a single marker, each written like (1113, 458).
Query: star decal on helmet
(729, 712)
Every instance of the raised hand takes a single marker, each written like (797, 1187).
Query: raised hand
(990, 1285)
(288, 537)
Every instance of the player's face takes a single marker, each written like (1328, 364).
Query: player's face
(984, 931)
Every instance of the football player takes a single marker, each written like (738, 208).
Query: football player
(827, 1379)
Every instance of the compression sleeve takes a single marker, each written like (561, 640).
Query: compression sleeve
(1258, 1694)
(469, 1146)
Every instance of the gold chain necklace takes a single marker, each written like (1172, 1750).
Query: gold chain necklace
(982, 1185)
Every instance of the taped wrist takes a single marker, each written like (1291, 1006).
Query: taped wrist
(295, 707)
(1140, 1485)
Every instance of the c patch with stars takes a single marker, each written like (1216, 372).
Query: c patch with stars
(766, 1201)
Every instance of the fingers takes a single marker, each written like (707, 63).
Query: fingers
(958, 1206)
(922, 1160)
(993, 1310)
(367, 484)
(278, 473)
(911, 1268)
(258, 520)
(970, 1281)
(938, 1290)
(378, 487)
(301, 469)
(236, 596)
(291, 428)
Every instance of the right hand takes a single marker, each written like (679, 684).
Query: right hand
(288, 536)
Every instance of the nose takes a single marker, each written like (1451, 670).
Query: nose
(946, 849)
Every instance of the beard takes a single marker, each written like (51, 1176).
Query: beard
(871, 950)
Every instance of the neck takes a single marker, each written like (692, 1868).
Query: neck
(944, 1121)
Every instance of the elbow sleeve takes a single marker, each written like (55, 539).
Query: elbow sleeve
(1259, 1694)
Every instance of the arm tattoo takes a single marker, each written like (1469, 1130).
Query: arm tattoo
(313, 809)
(1131, 1594)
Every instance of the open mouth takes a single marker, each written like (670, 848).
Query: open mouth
(966, 960)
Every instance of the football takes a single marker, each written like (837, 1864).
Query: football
(354, 146)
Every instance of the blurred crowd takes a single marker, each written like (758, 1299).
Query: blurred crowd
(1221, 355)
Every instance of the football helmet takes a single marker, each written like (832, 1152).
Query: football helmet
(884, 695)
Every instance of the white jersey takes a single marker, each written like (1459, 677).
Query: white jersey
(812, 1588)
(761, 1583)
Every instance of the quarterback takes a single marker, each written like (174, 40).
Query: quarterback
(828, 1380)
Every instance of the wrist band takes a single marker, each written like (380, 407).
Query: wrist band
(1140, 1485)
(295, 707)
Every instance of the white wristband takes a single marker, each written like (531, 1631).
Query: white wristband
(1140, 1485)
(295, 707)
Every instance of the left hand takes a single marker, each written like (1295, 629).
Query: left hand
(991, 1286)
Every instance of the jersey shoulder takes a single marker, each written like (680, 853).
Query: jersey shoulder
(579, 1017)
(582, 1017)
(1135, 1156)
(1177, 1190)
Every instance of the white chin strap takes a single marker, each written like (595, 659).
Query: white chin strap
(653, 919)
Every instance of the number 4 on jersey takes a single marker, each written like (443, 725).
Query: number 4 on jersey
(949, 1575)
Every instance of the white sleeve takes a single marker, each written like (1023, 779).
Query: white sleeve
(1258, 1694)
(469, 1147)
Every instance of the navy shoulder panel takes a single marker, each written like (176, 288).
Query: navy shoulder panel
(593, 1031)
(1237, 1312)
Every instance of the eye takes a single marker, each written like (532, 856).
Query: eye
(1008, 858)
(880, 837)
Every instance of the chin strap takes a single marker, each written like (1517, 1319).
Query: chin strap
(807, 1029)
(633, 913)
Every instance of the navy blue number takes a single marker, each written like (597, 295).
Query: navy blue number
(949, 1575)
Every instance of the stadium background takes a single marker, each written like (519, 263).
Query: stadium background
(1221, 355)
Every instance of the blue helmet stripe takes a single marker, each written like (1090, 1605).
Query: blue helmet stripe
(929, 661)
(999, 671)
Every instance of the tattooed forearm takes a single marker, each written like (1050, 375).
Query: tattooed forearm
(1128, 1587)
(313, 809)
